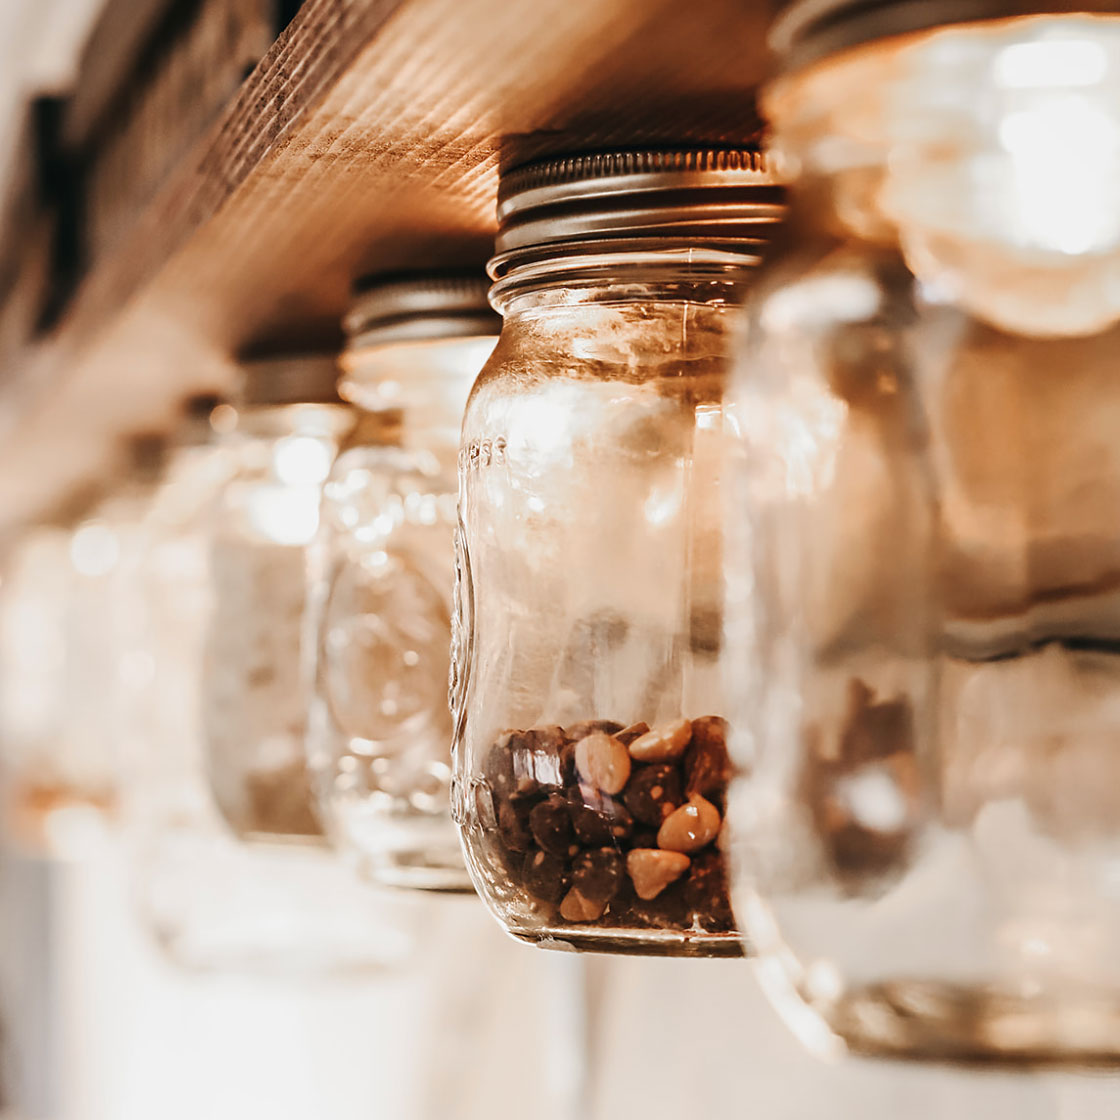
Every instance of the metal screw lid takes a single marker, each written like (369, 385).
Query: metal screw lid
(724, 197)
(307, 378)
(399, 307)
(808, 30)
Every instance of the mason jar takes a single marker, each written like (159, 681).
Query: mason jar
(37, 774)
(590, 759)
(287, 425)
(923, 545)
(75, 670)
(231, 871)
(379, 730)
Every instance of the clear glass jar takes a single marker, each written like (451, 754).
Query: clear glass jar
(254, 695)
(77, 672)
(248, 886)
(35, 775)
(922, 550)
(379, 730)
(590, 761)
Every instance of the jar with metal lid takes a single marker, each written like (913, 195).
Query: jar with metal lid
(232, 871)
(287, 425)
(923, 551)
(379, 731)
(591, 767)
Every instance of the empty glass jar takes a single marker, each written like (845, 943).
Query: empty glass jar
(36, 774)
(590, 761)
(379, 734)
(922, 560)
(75, 670)
(233, 870)
(254, 698)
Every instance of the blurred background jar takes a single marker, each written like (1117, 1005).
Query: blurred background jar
(236, 874)
(286, 430)
(922, 567)
(379, 734)
(590, 759)
(34, 600)
(75, 608)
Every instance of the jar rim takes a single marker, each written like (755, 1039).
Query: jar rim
(607, 265)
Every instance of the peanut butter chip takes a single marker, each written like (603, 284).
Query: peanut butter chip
(577, 908)
(603, 762)
(651, 870)
(691, 827)
(663, 743)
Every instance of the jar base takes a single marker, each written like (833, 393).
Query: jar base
(419, 871)
(922, 1021)
(633, 943)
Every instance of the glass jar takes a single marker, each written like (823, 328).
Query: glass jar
(379, 730)
(289, 422)
(35, 775)
(77, 673)
(590, 761)
(922, 550)
(246, 884)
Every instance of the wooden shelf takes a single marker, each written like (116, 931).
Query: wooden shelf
(369, 137)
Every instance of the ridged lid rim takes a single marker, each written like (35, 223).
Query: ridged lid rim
(608, 196)
(412, 307)
(294, 378)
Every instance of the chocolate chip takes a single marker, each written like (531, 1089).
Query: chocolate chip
(707, 766)
(653, 793)
(597, 874)
(513, 828)
(598, 818)
(551, 825)
(705, 892)
(536, 756)
(581, 730)
(628, 734)
(545, 876)
(497, 768)
(643, 837)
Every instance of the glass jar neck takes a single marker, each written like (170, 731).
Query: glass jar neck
(562, 292)
(425, 384)
(982, 150)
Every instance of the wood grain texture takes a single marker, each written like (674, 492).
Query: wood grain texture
(369, 137)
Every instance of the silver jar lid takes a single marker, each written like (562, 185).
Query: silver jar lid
(809, 30)
(722, 197)
(419, 307)
(283, 379)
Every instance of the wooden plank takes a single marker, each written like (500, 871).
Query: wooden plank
(369, 137)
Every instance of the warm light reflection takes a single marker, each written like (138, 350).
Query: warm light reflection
(94, 549)
(1051, 63)
(288, 515)
(301, 460)
(1065, 163)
